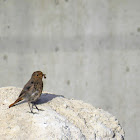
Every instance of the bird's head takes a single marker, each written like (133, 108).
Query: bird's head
(38, 74)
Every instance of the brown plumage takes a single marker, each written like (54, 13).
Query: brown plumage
(32, 90)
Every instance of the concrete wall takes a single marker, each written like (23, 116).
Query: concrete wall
(90, 50)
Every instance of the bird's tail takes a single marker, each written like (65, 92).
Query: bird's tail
(18, 100)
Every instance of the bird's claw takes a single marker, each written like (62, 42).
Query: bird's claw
(40, 109)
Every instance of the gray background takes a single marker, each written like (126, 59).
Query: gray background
(90, 50)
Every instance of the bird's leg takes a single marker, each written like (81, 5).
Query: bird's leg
(30, 108)
(38, 108)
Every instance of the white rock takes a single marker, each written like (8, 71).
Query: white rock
(62, 119)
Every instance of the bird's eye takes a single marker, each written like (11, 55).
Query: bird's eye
(37, 74)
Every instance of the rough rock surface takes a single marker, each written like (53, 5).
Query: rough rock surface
(62, 119)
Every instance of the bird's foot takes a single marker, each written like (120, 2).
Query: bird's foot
(40, 109)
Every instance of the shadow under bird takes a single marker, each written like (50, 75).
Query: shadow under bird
(32, 90)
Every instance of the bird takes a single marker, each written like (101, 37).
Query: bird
(32, 91)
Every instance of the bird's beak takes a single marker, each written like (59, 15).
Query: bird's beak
(44, 76)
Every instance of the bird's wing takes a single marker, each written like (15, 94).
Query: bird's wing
(24, 95)
(27, 87)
